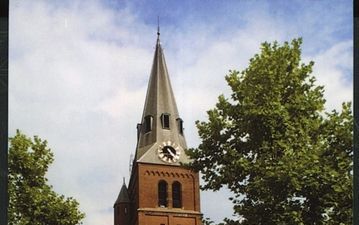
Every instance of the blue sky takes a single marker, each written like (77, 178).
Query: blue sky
(79, 73)
(305, 17)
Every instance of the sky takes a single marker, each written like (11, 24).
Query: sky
(79, 72)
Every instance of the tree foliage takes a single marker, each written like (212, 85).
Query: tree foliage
(32, 200)
(284, 158)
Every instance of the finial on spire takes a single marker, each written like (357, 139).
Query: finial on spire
(158, 26)
(124, 182)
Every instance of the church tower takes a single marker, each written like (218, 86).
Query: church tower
(160, 190)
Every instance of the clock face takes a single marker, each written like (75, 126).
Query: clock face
(168, 152)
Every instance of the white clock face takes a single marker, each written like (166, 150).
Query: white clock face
(168, 152)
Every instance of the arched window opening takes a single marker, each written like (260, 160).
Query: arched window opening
(162, 194)
(180, 125)
(165, 120)
(176, 195)
(148, 121)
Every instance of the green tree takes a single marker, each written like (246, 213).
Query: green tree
(32, 200)
(284, 158)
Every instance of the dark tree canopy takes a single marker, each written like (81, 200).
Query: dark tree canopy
(284, 158)
(32, 200)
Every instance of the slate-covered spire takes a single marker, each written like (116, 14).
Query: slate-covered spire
(123, 195)
(160, 105)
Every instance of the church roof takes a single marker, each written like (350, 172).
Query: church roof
(123, 195)
(160, 100)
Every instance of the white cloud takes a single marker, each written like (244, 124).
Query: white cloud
(333, 69)
(121, 105)
(78, 77)
(61, 74)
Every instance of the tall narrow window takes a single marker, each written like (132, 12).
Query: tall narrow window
(180, 125)
(162, 193)
(176, 194)
(165, 119)
(148, 120)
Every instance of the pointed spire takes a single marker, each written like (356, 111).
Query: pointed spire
(123, 195)
(159, 101)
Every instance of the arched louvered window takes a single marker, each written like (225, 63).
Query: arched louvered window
(148, 121)
(165, 120)
(162, 193)
(180, 125)
(176, 194)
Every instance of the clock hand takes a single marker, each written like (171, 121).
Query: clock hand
(171, 153)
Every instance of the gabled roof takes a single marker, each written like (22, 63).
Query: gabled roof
(159, 100)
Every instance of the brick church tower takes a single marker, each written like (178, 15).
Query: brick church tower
(160, 190)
